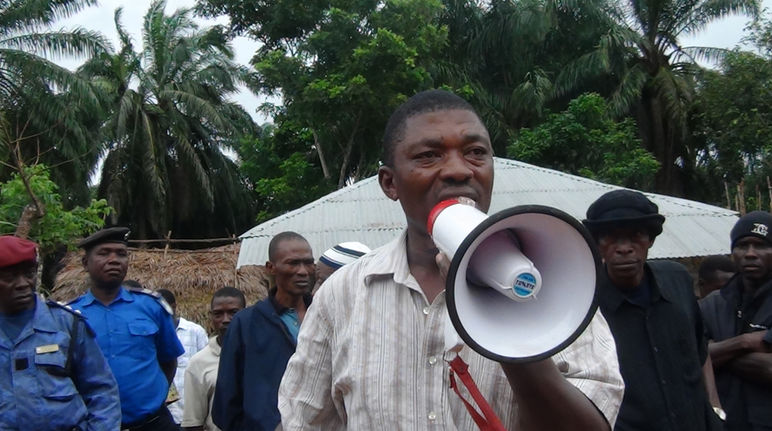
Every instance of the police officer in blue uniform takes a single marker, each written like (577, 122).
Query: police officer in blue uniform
(53, 375)
(135, 330)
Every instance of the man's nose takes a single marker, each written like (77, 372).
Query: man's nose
(623, 245)
(456, 168)
(305, 269)
(751, 252)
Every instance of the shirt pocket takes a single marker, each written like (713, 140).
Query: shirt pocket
(142, 333)
(55, 383)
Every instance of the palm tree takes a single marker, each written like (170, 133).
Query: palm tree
(49, 110)
(510, 52)
(654, 74)
(169, 123)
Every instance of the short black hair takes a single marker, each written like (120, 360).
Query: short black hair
(229, 292)
(167, 295)
(279, 238)
(711, 264)
(421, 103)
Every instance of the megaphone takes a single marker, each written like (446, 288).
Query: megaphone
(521, 283)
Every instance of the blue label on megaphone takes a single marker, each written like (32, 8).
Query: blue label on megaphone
(524, 285)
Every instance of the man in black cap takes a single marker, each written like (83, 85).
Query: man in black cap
(737, 321)
(653, 315)
(135, 330)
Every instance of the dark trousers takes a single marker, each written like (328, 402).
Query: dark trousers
(161, 420)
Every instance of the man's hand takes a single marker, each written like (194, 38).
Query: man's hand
(443, 263)
(754, 342)
(723, 352)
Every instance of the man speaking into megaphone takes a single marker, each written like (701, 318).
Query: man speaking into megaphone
(371, 353)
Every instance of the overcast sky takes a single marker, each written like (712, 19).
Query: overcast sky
(725, 33)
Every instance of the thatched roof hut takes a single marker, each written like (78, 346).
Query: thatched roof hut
(192, 275)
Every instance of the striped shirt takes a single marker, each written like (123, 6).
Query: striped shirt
(370, 356)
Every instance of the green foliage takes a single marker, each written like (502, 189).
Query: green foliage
(653, 73)
(513, 55)
(585, 140)
(58, 227)
(341, 77)
(169, 124)
(48, 111)
(733, 121)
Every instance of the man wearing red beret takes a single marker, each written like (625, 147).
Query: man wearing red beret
(52, 373)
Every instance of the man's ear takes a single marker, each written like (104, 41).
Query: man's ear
(386, 180)
(270, 268)
(84, 260)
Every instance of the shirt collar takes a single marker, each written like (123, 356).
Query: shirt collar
(123, 295)
(611, 298)
(280, 309)
(214, 347)
(43, 320)
(391, 261)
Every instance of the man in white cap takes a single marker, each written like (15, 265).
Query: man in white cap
(337, 256)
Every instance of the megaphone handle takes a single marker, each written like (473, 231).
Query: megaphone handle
(490, 422)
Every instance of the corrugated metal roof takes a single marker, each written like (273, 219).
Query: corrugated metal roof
(361, 212)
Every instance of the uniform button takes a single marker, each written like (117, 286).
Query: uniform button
(656, 349)
(432, 416)
(426, 310)
(664, 382)
(432, 360)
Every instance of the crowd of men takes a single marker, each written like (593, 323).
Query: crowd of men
(356, 339)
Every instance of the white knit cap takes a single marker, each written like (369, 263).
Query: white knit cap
(343, 253)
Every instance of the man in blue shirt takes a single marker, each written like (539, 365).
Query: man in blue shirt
(135, 330)
(260, 340)
(52, 373)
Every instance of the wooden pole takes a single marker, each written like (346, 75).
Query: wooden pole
(758, 197)
(769, 190)
(166, 249)
(741, 197)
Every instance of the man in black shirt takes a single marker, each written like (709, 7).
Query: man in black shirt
(653, 315)
(737, 321)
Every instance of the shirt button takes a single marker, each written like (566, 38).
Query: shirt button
(426, 310)
(432, 360)
(432, 416)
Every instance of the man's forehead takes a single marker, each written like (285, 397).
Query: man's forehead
(110, 246)
(21, 266)
(422, 122)
(225, 301)
(751, 240)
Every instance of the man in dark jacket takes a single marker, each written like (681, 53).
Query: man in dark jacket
(653, 315)
(261, 338)
(737, 321)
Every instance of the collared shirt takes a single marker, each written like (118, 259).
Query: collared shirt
(35, 391)
(200, 381)
(288, 316)
(370, 356)
(193, 338)
(748, 405)
(661, 351)
(135, 334)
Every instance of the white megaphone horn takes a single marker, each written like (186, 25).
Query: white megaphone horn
(521, 283)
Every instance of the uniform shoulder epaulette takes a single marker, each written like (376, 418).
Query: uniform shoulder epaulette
(64, 306)
(157, 296)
